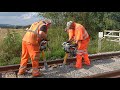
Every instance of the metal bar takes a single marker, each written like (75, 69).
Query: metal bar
(110, 31)
(111, 36)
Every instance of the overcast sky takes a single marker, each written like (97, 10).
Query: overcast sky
(18, 18)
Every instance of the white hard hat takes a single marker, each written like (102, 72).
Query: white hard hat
(48, 21)
(69, 23)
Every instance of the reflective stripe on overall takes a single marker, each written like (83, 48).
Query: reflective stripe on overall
(81, 52)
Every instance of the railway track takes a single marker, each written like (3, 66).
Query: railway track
(57, 70)
(111, 74)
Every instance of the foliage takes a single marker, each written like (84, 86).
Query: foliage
(10, 47)
(93, 21)
(57, 36)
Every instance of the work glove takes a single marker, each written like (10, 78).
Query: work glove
(66, 29)
(76, 44)
(68, 41)
(46, 40)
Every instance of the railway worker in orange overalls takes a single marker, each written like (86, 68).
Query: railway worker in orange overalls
(78, 34)
(31, 46)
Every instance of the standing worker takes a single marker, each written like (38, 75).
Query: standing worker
(31, 46)
(78, 34)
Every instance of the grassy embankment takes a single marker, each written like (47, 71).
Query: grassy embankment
(10, 45)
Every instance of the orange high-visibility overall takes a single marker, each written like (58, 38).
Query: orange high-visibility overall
(80, 34)
(31, 48)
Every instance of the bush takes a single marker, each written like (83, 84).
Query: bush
(11, 47)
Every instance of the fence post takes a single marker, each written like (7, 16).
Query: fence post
(119, 38)
(100, 36)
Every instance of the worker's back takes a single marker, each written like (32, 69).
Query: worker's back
(31, 35)
(80, 32)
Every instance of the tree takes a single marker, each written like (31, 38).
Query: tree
(93, 21)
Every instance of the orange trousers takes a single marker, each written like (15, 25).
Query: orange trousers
(82, 53)
(32, 51)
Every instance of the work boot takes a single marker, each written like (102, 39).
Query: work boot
(22, 70)
(76, 67)
(36, 73)
(87, 63)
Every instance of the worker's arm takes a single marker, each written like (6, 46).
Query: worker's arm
(78, 43)
(79, 36)
(44, 28)
(66, 30)
(42, 33)
(71, 35)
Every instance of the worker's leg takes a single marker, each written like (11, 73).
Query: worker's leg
(35, 56)
(86, 59)
(79, 57)
(78, 61)
(85, 54)
(24, 59)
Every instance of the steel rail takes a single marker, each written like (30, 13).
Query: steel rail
(58, 61)
(111, 74)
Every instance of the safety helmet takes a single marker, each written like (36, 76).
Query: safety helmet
(69, 24)
(48, 21)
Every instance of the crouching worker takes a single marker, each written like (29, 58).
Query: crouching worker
(31, 46)
(79, 35)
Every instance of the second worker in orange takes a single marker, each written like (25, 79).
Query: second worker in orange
(78, 34)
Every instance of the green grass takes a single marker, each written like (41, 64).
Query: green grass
(10, 52)
(93, 46)
(10, 48)
(57, 37)
(108, 46)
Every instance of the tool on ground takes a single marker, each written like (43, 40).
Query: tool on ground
(65, 58)
(43, 48)
(69, 49)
